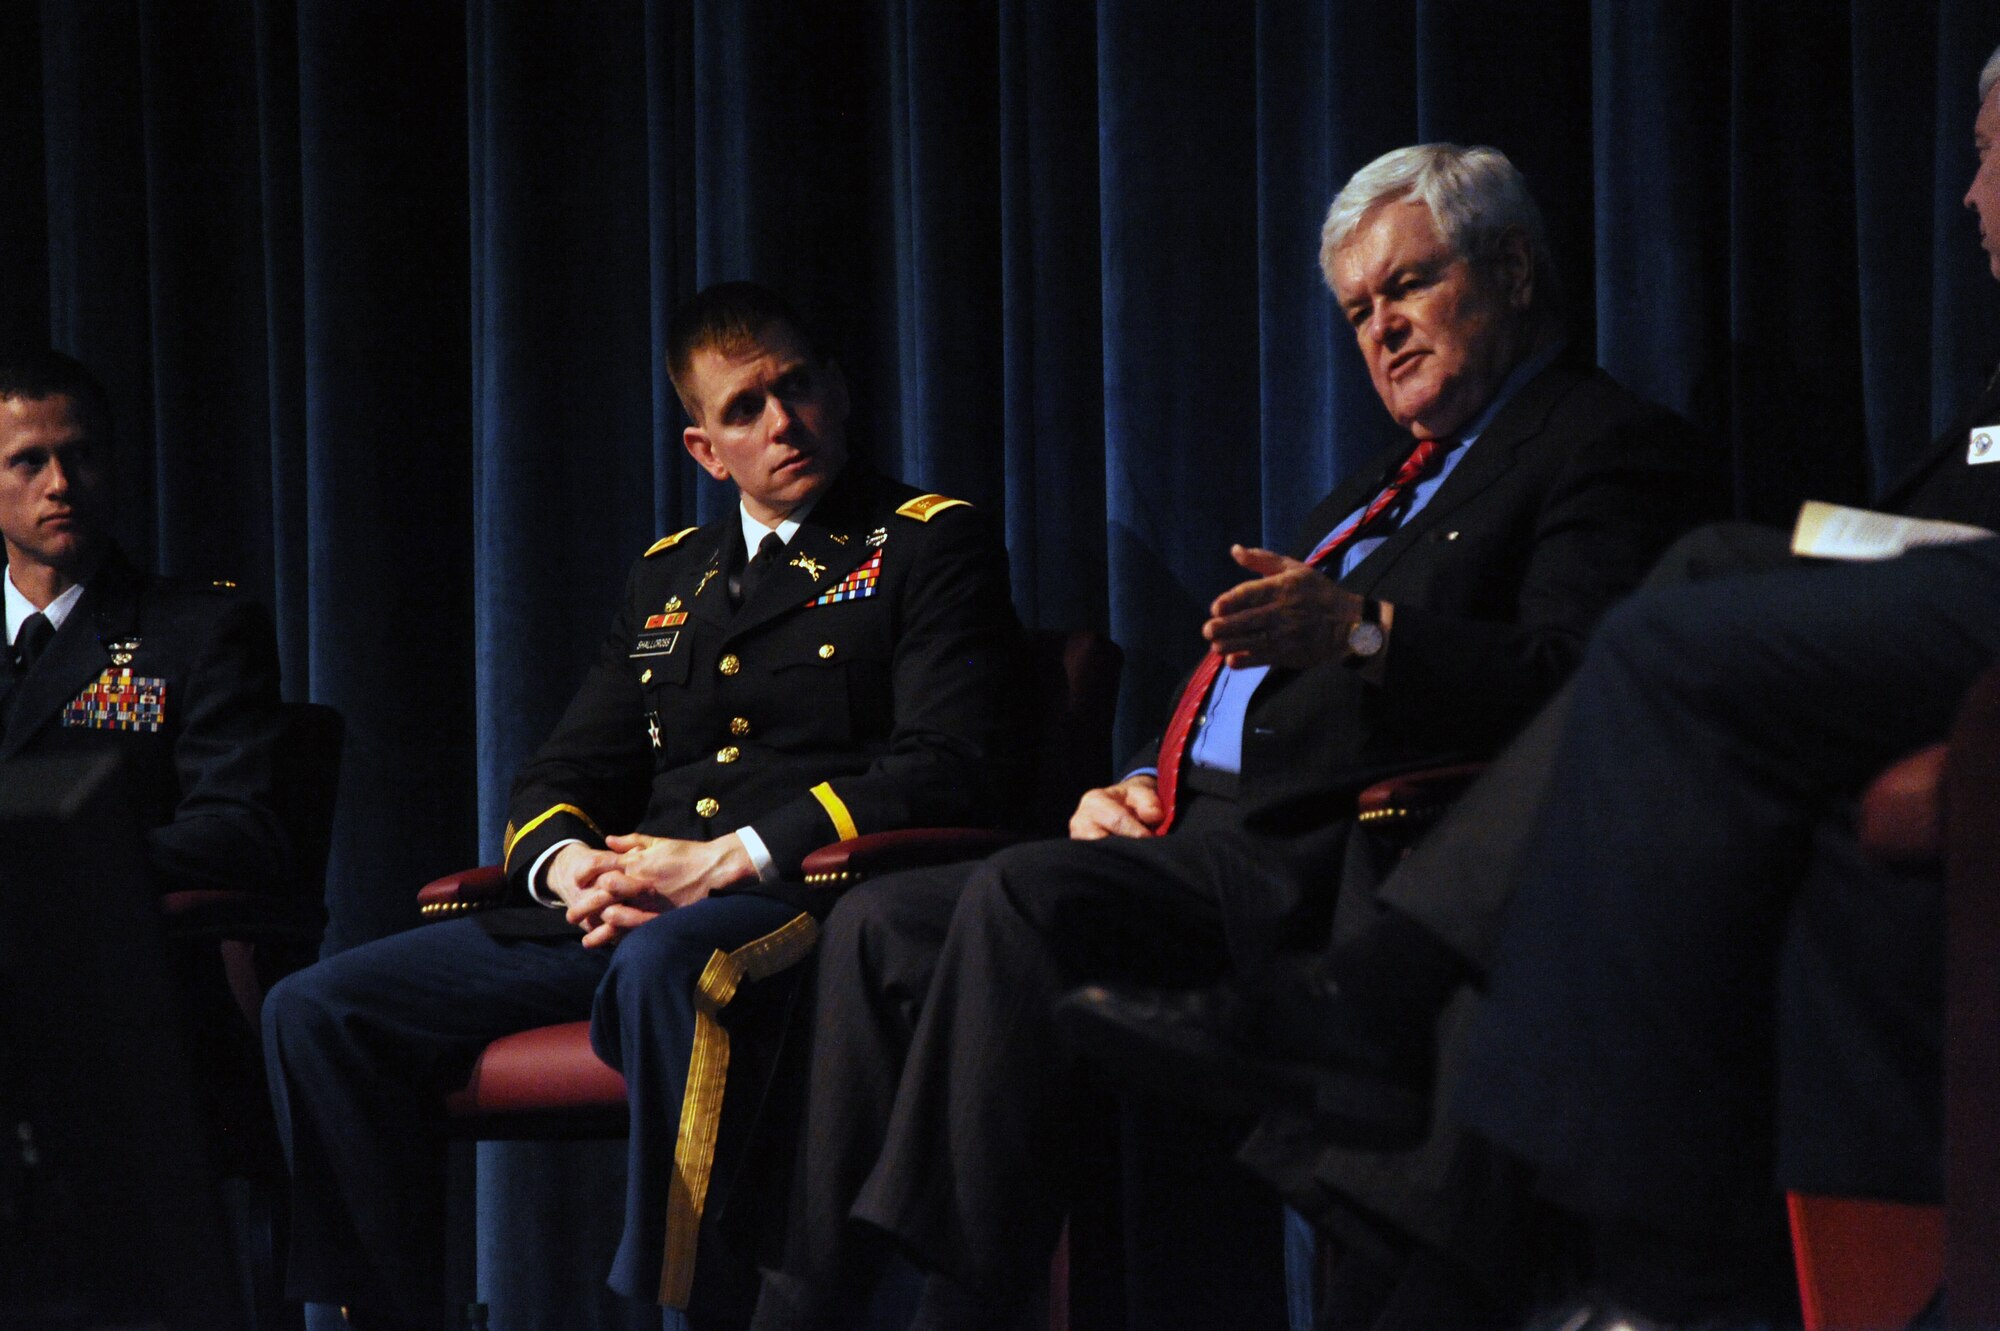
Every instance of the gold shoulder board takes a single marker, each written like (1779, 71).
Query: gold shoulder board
(925, 507)
(669, 542)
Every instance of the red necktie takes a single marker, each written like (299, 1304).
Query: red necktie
(1173, 746)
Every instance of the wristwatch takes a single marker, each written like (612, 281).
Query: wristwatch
(1365, 637)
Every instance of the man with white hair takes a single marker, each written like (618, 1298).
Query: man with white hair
(1434, 601)
(1697, 991)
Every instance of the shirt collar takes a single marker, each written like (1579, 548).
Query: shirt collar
(19, 607)
(755, 531)
(1523, 372)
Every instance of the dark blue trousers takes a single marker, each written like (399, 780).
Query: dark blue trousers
(1700, 982)
(363, 1047)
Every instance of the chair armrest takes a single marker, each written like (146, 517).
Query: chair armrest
(458, 893)
(1420, 794)
(1902, 812)
(250, 917)
(878, 853)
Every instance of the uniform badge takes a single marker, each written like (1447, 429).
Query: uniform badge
(812, 566)
(667, 621)
(702, 586)
(658, 644)
(119, 700)
(878, 537)
(653, 728)
(857, 585)
(1984, 446)
(838, 538)
(121, 650)
(673, 604)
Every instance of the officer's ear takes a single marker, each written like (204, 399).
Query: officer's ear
(696, 441)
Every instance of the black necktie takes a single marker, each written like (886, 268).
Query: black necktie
(767, 554)
(29, 642)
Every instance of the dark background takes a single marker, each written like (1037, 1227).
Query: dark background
(379, 286)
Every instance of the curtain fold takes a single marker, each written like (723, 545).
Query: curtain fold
(380, 293)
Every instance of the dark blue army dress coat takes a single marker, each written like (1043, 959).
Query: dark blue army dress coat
(859, 689)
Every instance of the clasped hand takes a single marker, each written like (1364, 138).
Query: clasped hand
(636, 878)
(1289, 615)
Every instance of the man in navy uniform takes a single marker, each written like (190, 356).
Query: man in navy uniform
(180, 680)
(826, 660)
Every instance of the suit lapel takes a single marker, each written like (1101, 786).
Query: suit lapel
(107, 612)
(708, 600)
(1492, 456)
(1982, 412)
(827, 546)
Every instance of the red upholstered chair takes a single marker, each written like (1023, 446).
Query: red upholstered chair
(1865, 1263)
(227, 949)
(245, 942)
(547, 1082)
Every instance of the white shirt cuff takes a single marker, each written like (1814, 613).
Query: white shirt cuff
(760, 854)
(536, 888)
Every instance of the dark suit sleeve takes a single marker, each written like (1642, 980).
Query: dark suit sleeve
(1624, 493)
(225, 830)
(956, 638)
(590, 777)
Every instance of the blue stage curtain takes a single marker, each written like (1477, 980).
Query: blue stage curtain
(379, 288)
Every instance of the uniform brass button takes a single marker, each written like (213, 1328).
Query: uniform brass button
(728, 754)
(706, 807)
(647, 678)
(826, 651)
(729, 665)
(739, 725)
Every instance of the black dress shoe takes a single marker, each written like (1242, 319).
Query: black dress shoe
(1285, 1038)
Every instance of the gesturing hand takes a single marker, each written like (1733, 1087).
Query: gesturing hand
(1289, 615)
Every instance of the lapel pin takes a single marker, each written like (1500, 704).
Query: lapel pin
(878, 537)
(838, 538)
(812, 566)
(703, 584)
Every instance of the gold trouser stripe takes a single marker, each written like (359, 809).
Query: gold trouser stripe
(708, 1073)
(843, 821)
(514, 838)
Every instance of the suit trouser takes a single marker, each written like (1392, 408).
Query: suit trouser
(939, 1092)
(1694, 930)
(362, 1048)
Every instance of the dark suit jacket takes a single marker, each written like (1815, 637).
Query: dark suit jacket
(1564, 500)
(202, 779)
(1942, 484)
(859, 689)
(1458, 880)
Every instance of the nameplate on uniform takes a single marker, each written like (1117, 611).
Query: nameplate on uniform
(656, 644)
(119, 700)
(856, 585)
(666, 621)
(1983, 446)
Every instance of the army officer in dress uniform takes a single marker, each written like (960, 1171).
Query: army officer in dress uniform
(827, 660)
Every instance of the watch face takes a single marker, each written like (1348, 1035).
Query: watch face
(1364, 639)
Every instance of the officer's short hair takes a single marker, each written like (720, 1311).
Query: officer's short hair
(43, 372)
(730, 318)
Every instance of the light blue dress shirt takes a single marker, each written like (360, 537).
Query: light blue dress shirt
(1218, 738)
